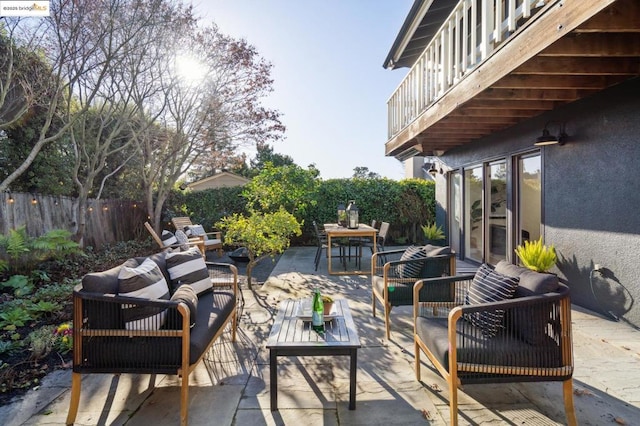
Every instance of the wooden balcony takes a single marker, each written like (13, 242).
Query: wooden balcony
(494, 63)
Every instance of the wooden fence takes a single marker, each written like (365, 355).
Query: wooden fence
(108, 221)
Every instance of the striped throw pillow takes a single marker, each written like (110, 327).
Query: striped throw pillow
(168, 239)
(411, 269)
(188, 267)
(489, 286)
(146, 282)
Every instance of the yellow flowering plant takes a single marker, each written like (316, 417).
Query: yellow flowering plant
(64, 332)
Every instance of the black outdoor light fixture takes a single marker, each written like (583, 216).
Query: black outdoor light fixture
(548, 139)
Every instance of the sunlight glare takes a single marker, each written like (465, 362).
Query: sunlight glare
(190, 69)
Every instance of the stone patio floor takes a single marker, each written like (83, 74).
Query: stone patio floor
(232, 386)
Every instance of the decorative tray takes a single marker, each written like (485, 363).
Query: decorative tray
(303, 312)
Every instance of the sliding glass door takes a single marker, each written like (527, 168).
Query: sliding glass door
(473, 213)
(495, 206)
(529, 198)
(497, 212)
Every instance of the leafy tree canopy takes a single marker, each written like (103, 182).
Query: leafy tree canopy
(290, 187)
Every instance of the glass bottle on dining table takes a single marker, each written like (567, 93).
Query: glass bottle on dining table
(317, 312)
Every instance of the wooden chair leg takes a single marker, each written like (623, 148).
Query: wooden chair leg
(373, 303)
(184, 399)
(567, 390)
(234, 326)
(76, 384)
(453, 401)
(416, 351)
(387, 320)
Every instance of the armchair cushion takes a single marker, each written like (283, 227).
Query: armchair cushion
(188, 267)
(436, 269)
(195, 231)
(531, 282)
(412, 269)
(489, 286)
(474, 347)
(145, 281)
(185, 293)
(431, 250)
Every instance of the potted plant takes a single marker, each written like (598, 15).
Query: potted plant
(327, 301)
(536, 256)
(433, 233)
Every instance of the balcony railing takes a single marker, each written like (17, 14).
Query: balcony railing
(473, 30)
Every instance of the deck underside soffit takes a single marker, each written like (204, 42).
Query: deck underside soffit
(572, 51)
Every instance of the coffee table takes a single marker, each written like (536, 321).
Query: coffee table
(292, 335)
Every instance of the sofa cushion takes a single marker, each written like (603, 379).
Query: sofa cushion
(185, 293)
(146, 282)
(489, 286)
(105, 282)
(168, 238)
(213, 309)
(188, 267)
(411, 269)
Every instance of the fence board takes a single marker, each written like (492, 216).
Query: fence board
(108, 221)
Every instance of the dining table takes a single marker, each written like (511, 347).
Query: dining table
(334, 230)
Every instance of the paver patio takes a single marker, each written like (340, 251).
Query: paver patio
(232, 387)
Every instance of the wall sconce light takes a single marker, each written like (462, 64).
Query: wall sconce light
(11, 200)
(548, 139)
(34, 201)
(430, 168)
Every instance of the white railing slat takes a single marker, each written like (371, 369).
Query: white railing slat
(457, 48)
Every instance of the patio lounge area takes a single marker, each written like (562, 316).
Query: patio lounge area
(232, 386)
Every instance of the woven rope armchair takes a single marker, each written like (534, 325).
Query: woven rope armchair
(391, 286)
(533, 342)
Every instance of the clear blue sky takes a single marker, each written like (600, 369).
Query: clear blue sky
(329, 82)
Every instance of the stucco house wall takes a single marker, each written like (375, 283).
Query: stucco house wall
(591, 194)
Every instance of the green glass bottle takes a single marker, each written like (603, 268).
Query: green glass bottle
(317, 312)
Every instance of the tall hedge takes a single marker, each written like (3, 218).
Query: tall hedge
(405, 204)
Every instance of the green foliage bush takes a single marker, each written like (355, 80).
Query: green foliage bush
(405, 204)
(205, 207)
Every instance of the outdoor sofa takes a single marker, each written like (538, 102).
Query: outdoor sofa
(154, 315)
(510, 324)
